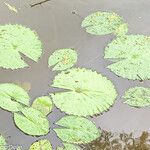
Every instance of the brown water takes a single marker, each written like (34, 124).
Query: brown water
(58, 24)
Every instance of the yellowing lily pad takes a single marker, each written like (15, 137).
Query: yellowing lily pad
(137, 96)
(89, 92)
(77, 130)
(43, 104)
(16, 39)
(102, 23)
(32, 122)
(41, 145)
(63, 59)
(12, 97)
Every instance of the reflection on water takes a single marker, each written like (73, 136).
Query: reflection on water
(111, 141)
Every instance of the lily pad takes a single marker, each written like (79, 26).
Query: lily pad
(43, 104)
(16, 39)
(2, 143)
(12, 97)
(77, 130)
(102, 23)
(68, 147)
(89, 92)
(137, 97)
(63, 59)
(130, 55)
(32, 122)
(41, 145)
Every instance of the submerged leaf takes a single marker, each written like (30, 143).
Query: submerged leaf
(77, 130)
(90, 93)
(63, 59)
(102, 23)
(2, 143)
(41, 145)
(16, 39)
(13, 97)
(131, 55)
(137, 97)
(68, 147)
(32, 122)
(43, 104)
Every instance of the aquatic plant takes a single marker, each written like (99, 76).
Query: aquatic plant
(137, 96)
(62, 59)
(102, 23)
(16, 39)
(89, 92)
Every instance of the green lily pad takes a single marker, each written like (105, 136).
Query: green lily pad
(130, 55)
(77, 130)
(137, 97)
(43, 104)
(41, 145)
(68, 147)
(89, 92)
(32, 122)
(16, 39)
(13, 97)
(102, 23)
(2, 143)
(63, 59)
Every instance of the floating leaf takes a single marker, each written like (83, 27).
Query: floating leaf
(63, 59)
(43, 104)
(130, 55)
(90, 94)
(12, 8)
(13, 97)
(137, 97)
(2, 143)
(68, 147)
(32, 122)
(77, 130)
(16, 39)
(41, 145)
(25, 85)
(102, 23)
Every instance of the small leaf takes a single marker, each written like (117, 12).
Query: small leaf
(13, 97)
(77, 130)
(90, 93)
(16, 39)
(63, 59)
(2, 143)
(102, 23)
(68, 147)
(32, 122)
(43, 104)
(130, 56)
(137, 97)
(41, 145)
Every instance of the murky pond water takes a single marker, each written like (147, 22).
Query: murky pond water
(58, 24)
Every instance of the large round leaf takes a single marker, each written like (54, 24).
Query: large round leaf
(43, 104)
(137, 97)
(90, 93)
(32, 122)
(41, 145)
(16, 39)
(63, 59)
(102, 23)
(68, 147)
(130, 55)
(13, 97)
(76, 130)
(2, 143)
